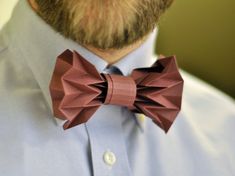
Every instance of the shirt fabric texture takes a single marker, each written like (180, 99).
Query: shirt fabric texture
(33, 143)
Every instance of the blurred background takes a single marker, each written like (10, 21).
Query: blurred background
(200, 33)
(202, 36)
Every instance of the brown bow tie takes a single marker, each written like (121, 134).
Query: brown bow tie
(77, 90)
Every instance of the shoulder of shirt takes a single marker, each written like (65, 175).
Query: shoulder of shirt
(199, 91)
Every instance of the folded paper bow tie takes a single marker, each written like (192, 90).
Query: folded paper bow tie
(77, 90)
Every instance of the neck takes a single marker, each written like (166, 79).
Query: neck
(114, 55)
(110, 55)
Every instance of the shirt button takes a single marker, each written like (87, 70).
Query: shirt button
(109, 158)
(140, 117)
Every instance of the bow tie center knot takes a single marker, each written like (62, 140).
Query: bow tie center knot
(121, 90)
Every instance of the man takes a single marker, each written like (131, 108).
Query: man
(116, 37)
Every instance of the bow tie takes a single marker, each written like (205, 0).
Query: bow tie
(77, 90)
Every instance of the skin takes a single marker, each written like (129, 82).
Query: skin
(109, 55)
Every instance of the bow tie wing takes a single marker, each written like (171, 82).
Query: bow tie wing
(159, 91)
(76, 89)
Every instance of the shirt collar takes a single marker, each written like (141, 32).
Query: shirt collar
(40, 45)
(140, 57)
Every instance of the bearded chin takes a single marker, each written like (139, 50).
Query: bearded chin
(103, 24)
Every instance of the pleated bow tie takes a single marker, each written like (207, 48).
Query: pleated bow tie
(77, 90)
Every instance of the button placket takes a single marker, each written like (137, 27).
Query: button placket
(108, 151)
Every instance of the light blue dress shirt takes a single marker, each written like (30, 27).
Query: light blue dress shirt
(114, 142)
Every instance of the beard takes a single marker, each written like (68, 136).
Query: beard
(100, 23)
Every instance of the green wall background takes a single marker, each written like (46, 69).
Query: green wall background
(202, 36)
